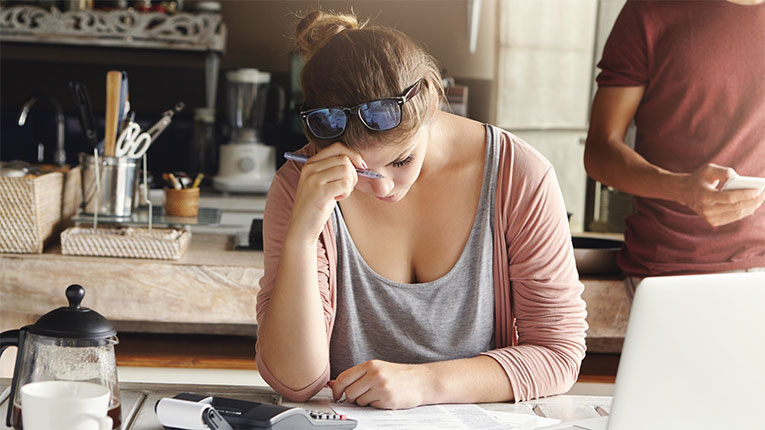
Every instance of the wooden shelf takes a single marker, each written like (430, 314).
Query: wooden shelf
(116, 37)
(126, 28)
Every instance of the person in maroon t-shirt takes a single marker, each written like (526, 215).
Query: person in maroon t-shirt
(692, 76)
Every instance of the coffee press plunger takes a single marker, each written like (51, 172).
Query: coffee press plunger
(70, 343)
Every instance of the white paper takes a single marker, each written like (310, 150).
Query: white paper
(437, 417)
(512, 419)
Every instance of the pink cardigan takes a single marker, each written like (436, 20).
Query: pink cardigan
(540, 315)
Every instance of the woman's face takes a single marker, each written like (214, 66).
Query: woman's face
(400, 164)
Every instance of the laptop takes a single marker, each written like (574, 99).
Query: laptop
(693, 356)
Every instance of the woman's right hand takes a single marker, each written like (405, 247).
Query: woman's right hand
(326, 178)
(701, 194)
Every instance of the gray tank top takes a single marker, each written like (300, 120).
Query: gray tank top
(449, 318)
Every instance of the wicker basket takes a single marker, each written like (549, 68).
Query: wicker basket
(158, 244)
(33, 208)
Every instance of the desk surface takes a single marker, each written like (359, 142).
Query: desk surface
(138, 401)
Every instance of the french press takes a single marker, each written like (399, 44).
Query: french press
(71, 343)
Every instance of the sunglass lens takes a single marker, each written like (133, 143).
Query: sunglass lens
(381, 114)
(326, 123)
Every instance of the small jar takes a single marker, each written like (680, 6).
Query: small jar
(183, 202)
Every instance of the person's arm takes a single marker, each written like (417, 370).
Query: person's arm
(543, 301)
(609, 160)
(291, 335)
(386, 385)
(292, 330)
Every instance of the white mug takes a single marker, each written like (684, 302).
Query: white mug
(65, 405)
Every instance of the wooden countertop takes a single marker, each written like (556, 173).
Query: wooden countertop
(210, 284)
(205, 249)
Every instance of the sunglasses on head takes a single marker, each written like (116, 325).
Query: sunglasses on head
(376, 115)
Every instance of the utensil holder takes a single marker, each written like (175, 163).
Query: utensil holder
(117, 177)
(183, 202)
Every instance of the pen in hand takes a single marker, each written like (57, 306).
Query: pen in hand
(303, 158)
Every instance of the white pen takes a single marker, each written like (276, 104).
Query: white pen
(303, 158)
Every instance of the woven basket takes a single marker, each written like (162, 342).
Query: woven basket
(32, 208)
(183, 202)
(158, 244)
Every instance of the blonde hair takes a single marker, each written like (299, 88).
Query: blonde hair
(348, 63)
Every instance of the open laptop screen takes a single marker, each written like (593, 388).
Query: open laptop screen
(694, 355)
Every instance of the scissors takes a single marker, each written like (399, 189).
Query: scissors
(133, 143)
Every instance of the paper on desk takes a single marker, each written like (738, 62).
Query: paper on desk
(514, 420)
(438, 417)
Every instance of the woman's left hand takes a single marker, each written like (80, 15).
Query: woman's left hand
(384, 385)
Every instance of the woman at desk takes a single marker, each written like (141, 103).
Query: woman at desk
(417, 257)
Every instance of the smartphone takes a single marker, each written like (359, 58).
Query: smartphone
(744, 183)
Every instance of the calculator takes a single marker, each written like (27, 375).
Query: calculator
(221, 413)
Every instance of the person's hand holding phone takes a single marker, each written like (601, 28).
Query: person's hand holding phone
(701, 193)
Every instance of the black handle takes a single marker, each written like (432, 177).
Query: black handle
(85, 112)
(74, 294)
(8, 338)
(11, 338)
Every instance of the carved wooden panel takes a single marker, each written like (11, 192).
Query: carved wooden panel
(119, 28)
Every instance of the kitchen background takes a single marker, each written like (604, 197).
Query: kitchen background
(525, 65)
(530, 71)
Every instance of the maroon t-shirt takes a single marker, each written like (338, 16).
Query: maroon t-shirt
(702, 64)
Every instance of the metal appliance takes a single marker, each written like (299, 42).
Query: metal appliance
(247, 165)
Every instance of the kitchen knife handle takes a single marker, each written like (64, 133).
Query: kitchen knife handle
(113, 84)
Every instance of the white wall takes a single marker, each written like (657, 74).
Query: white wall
(545, 61)
(547, 52)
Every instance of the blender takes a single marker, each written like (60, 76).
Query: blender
(247, 165)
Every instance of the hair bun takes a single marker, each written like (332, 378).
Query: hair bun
(317, 28)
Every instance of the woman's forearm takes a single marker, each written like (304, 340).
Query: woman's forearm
(471, 380)
(292, 336)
